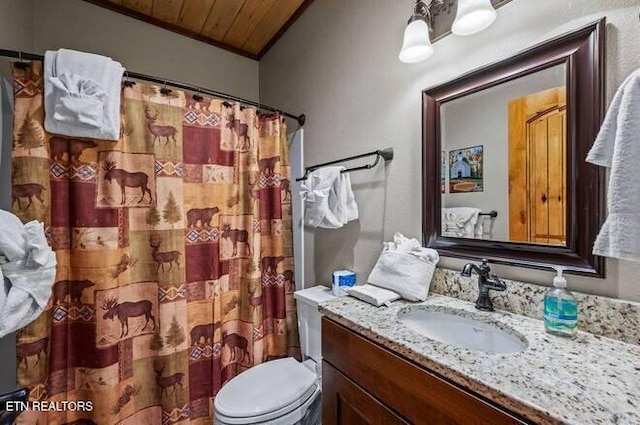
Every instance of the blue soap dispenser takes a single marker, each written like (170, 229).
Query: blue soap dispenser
(560, 308)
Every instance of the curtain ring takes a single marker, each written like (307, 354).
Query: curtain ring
(127, 82)
(197, 96)
(164, 90)
(21, 63)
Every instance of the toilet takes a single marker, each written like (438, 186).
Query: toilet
(283, 391)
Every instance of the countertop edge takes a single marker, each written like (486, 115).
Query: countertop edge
(456, 377)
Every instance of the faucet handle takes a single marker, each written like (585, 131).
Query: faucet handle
(484, 267)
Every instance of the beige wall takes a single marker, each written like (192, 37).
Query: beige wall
(339, 64)
(38, 25)
(141, 47)
(16, 24)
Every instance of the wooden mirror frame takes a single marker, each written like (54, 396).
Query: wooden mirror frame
(583, 54)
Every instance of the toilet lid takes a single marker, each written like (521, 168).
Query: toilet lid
(265, 388)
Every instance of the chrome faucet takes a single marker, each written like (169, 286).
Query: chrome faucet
(486, 282)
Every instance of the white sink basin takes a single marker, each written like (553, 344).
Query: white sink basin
(462, 328)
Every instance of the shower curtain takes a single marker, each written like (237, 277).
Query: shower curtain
(174, 249)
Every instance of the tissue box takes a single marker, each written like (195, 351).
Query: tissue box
(342, 279)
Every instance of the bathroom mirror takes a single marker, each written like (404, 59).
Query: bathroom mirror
(504, 161)
(504, 175)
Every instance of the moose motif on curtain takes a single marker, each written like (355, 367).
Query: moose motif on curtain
(174, 269)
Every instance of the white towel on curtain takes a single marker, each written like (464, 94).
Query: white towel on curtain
(618, 147)
(27, 272)
(82, 94)
(329, 201)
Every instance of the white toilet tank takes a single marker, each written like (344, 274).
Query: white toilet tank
(307, 301)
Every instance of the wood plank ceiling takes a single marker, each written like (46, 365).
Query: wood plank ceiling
(246, 27)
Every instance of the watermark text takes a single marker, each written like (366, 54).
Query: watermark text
(50, 406)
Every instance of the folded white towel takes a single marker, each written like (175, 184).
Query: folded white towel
(27, 269)
(373, 294)
(460, 222)
(618, 147)
(82, 94)
(405, 267)
(328, 198)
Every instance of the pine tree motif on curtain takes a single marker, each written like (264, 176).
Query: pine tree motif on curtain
(174, 249)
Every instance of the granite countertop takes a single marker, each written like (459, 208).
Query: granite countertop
(585, 380)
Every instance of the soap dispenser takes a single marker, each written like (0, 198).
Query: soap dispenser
(560, 308)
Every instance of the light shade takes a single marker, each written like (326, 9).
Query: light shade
(417, 45)
(473, 16)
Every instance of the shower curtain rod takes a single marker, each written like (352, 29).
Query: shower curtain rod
(185, 86)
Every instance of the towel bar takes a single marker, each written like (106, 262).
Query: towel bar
(386, 154)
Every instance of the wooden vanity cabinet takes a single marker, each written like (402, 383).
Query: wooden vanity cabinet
(365, 383)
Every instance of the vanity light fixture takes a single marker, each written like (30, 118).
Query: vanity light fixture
(473, 16)
(416, 46)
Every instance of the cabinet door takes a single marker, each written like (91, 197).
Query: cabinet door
(345, 403)
(416, 394)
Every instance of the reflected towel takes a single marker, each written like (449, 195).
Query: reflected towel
(460, 222)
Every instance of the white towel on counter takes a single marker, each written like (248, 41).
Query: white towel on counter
(82, 94)
(405, 267)
(460, 222)
(618, 147)
(328, 198)
(27, 270)
(373, 294)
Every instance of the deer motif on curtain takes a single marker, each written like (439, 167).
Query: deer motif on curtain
(175, 268)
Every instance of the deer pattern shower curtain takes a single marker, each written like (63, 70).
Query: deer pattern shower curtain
(174, 249)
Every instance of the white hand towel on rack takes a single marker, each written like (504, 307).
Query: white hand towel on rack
(82, 94)
(618, 147)
(328, 198)
(29, 265)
